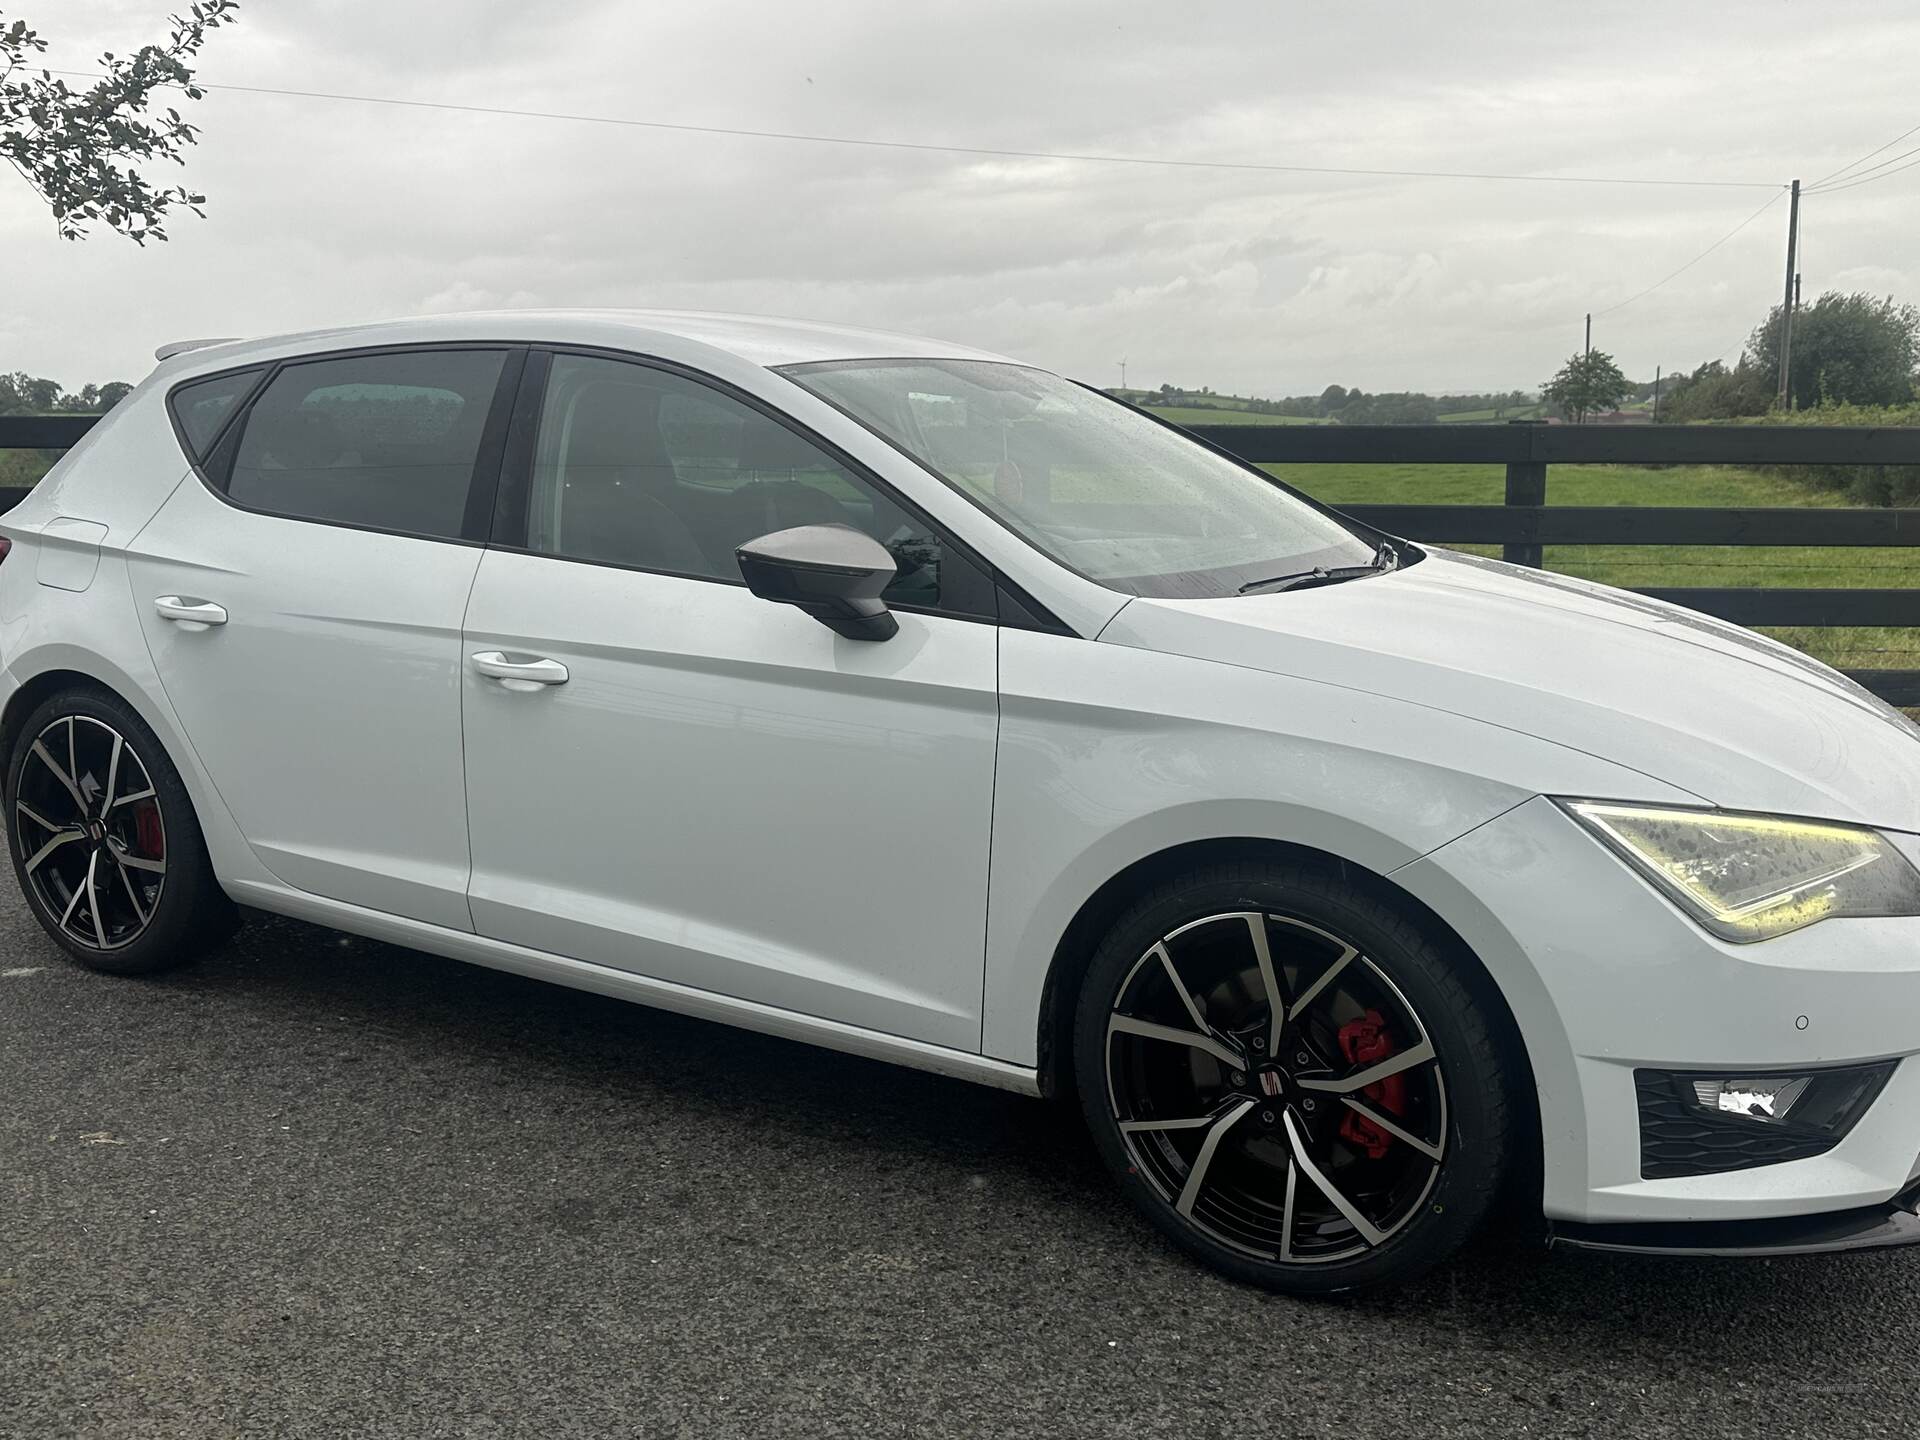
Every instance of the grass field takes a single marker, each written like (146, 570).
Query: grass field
(1225, 415)
(25, 467)
(1662, 565)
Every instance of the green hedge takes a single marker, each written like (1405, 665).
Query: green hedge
(1862, 484)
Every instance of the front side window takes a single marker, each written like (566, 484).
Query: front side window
(388, 442)
(1107, 492)
(641, 467)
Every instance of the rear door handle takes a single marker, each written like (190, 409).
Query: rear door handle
(190, 612)
(519, 674)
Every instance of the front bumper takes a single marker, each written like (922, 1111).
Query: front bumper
(1605, 976)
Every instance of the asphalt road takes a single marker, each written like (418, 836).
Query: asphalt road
(323, 1187)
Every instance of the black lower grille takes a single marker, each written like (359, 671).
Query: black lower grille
(1677, 1138)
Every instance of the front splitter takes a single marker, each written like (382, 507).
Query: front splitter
(1877, 1227)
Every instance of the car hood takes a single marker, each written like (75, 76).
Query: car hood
(1733, 717)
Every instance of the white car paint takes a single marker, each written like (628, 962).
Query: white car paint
(322, 708)
(1739, 720)
(797, 820)
(763, 858)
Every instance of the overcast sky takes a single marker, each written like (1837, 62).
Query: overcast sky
(322, 212)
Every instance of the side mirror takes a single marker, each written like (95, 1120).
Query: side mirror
(833, 572)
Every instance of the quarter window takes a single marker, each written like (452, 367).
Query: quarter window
(388, 442)
(202, 408)
(641, 467)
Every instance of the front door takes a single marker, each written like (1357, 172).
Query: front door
(669, 776)
(305, 621)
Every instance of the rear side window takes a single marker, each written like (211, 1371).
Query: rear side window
(202, 408)
(385, 442)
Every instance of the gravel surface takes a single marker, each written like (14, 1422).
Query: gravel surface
(317, 1186)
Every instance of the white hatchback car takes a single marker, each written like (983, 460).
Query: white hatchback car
(913, 701)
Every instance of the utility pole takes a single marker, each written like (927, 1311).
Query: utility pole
(1791, 403)
(1123, 372)
(1589, 349)
(1787, 302)
(1656, 394)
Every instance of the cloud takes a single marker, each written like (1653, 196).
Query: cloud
(324, 211)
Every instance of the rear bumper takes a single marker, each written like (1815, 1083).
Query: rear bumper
(1876, 1227)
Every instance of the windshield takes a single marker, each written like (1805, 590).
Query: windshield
(1104, 490)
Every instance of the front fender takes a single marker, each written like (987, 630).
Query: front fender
(1110, 755)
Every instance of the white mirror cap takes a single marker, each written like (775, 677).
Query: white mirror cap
(180, 347)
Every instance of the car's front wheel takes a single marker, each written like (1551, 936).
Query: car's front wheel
(105, 843)
(1291, 1079)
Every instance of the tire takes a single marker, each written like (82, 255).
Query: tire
(1420, 1163)
(105, 843)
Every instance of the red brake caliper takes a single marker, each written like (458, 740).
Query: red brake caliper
(1364, 1042)
(147, 832)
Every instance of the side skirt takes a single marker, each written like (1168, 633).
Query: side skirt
(623, 985)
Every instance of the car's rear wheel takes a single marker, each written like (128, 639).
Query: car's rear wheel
(1291, 1079)
(105, 842)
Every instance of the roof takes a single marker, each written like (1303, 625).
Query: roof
(758, 340)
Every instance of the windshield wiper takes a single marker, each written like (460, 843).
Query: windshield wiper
(1384, 559)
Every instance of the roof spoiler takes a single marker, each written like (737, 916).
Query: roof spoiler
(180, 347)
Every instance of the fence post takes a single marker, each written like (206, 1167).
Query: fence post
(1526, 485)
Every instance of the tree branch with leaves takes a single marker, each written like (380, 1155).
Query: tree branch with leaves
(81, 149)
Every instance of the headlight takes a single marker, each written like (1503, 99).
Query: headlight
(1751, 877)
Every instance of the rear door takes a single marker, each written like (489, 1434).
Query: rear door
(303, 599)
(669, 776)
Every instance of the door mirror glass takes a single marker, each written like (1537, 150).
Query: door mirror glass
(833, 572)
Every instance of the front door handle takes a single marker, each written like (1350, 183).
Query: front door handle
(523, 673)
(190, 612)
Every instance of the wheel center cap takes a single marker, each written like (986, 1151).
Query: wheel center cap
(1272, 1084)
(96, 832)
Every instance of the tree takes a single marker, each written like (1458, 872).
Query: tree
(24, 394)
(1588, 384)
(1390, 408)
(80, 149)
(1714, 392)
(1847, 350)
(1332, 398)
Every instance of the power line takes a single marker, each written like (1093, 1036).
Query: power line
(1866, 177)
(1864, 158)
(1089, 158)
(1772, 200)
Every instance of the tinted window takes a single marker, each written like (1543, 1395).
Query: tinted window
(203, 407)
(384, 441)
(641, 467)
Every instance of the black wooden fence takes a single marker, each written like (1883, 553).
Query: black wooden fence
(1525, 522)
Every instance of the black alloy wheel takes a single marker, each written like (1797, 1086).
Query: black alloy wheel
(1296, 1083)
(105, 841)
(87, 823)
